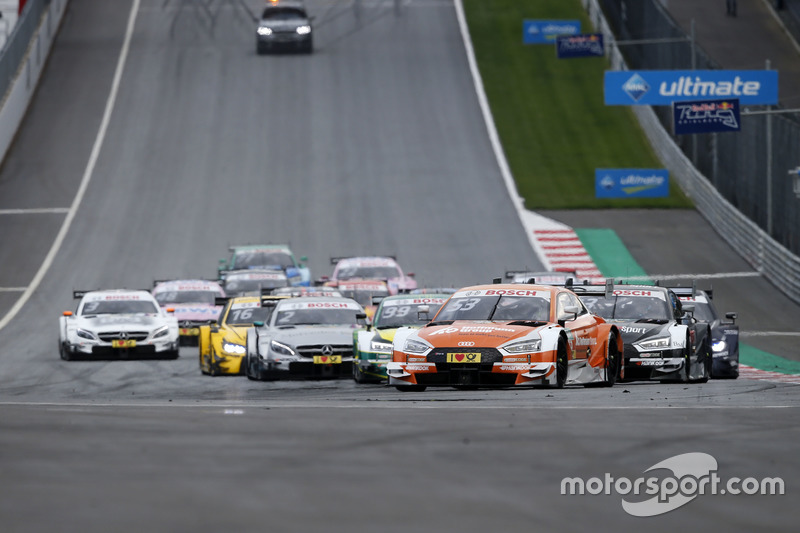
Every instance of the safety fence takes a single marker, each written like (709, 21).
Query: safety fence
(727, 174)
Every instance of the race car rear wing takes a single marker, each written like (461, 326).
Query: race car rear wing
(335, 260)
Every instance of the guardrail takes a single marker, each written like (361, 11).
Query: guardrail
(763, 253)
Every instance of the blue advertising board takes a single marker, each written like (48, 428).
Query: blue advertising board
(545, 31)
(706, 116)
(631, 183)
(584, 45)
(662, 87)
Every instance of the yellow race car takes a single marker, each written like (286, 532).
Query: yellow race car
(222, 345)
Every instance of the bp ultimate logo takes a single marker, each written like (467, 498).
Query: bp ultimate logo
(636, 87)
(663, 87)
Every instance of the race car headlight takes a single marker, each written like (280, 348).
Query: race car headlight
(303, 30)
(281, 348)
(653, 344)
(417, 347)
(719, 346)
(86, 334)
(233, 348)
(161, 332)
(264, 31)
(524, 346)
(381, 346)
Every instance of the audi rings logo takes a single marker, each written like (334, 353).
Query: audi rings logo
(466, 343)
(327, 350)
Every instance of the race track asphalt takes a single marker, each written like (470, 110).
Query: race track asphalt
(373, 144)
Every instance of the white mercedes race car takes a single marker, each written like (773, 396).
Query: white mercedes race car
(118, 324)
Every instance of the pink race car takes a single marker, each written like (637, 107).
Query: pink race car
(384, 268)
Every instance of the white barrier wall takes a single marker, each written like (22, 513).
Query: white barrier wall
(19, 96)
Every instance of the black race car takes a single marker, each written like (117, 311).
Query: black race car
(724, 333)
(663, 341)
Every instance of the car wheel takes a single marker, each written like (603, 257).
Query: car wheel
(358, 376)
(64, 352)
(212, 371)
(562, 365)
(705, 361)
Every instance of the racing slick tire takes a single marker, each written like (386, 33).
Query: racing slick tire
(613, 364)
(64, 352)
(706, 361)
(249, 371)
(562, 365)
(410, 388)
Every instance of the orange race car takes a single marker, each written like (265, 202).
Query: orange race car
(505, 335)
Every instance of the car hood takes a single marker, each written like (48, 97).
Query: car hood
(121, 322)
(637, 331)
(197, 312)
(482, 334)
(314, 335)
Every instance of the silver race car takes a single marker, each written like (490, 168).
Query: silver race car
(117, 324)
(310, 337)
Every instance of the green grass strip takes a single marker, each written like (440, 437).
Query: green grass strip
(613, 260)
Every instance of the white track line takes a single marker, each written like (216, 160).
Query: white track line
(35, 211)
(87, 175)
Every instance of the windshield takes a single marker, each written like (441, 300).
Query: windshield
(261, 259)
(493, 307)
(118, 307)
(364, 296)
(296, 317)
(367, 272)
(628, 307)
(185, 297)
(282, 13)
(399, 313)
(245, 316)
(240, 287)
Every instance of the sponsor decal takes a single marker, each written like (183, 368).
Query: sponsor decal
(664, 87)
(513, 367)
(587, 45)
(413, 301)
(123, 343)
(629, 329)
(464, 357)
(319, 305)
(671, 484)
(652, 362)
(515, 360)
(190, 332)
(546, 31)
(419, 368)
(117, 297)
(706, 116)
(412, 359)
(471, 329)
(652, 294)
(327, 359)
(585, 341)
(631, 183)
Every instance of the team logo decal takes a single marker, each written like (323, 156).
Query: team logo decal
(470, 357)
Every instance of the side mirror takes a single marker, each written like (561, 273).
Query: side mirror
(423, 312)
(570, 313)
(411, 274)
(361, 316)
(258, 323)
(67, 313)
(170, 309)
(732, 317)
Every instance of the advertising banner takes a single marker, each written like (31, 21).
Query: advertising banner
(706, 116)
(631, 183)
(663, 87)
(546, 31)
(585, 45)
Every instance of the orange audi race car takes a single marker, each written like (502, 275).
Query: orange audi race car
(508, 335)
